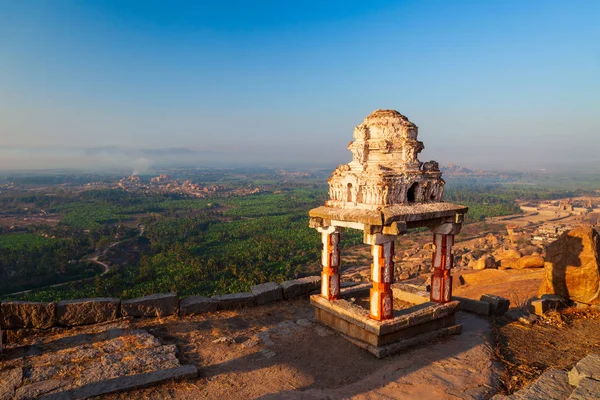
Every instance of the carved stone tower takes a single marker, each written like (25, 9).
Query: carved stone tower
(385, 169)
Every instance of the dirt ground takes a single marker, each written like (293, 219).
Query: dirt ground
(559, 340)
(306, 360)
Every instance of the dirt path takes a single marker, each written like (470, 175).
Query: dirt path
(93, 258)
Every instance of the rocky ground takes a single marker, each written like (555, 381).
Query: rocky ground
(277, 351)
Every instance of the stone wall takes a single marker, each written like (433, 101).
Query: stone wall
(19, 315)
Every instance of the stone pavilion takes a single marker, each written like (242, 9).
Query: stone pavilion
(384, 191)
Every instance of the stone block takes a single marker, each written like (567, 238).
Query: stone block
(587, 367)
(300, 287)
(155, 305)
(87, 311)
(267, 293)
(498, 305)
(129, 382)
(24, 314)
(588, 389)
(197, 305)
(474, 306)
(235, 300)
(362, 289)
(541, 306)
(10, 379)
(551, 385)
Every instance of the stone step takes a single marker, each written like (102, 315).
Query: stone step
(125, 383)
(587, 367)
(551, 385)
(588, 389)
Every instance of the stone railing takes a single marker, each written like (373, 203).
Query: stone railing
(20, 315)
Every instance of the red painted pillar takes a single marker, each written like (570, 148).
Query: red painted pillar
(382, 275)
(443, 260)
(330, 277)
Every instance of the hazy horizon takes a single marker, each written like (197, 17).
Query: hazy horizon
(492, 85)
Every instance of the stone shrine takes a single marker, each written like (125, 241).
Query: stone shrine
(384, 191)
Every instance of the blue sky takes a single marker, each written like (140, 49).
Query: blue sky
(491, 84)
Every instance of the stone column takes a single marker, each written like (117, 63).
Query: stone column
(443, 261)
(330, 277)
(382, 275)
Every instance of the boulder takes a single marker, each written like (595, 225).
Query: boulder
(491, 239)
(87, 311)
(300, 287)
(235, 300)
(508, 263)
(572, 267)
(197, 305)
(155, 305)
(267, 292)
(509, 254)
(485, 262)
(24, 314)
(531, 261)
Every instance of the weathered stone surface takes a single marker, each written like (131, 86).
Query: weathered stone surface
(588, 389)
(551, 385)
(474, 306)
(38, 389)
(87, 311)
(197, 305)
(531, 261)
(23, 314)
(235, 300)
(267, 292)
(498, 305)
(588, 367)
(485, 262)
(301, 286)
(126, 383)
(155, 305)
(9, 381)
(572, 268)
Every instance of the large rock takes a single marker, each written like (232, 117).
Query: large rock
(24, 314)
(485, 262)
(572, 267)
(300, 287)
(509, 254)
(267, 292)
(508, 263)
(87, 311)
(197, 305)
(155, 305)
(532, 261)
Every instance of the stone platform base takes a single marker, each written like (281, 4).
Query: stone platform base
(409, 326)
